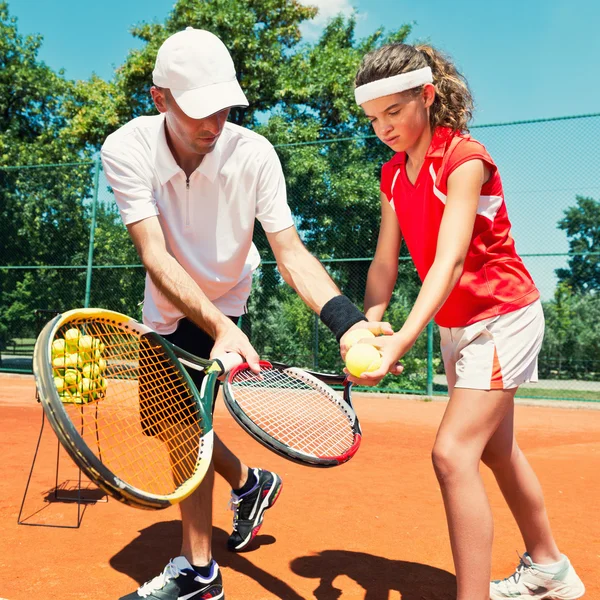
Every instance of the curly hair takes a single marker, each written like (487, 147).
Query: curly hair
(453, 104)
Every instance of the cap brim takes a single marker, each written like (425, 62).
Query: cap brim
(205, 101)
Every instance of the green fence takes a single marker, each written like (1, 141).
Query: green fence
(62, 245)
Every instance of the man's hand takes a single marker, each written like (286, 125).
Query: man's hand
(230, 338)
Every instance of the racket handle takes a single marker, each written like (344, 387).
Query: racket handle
(230, 360)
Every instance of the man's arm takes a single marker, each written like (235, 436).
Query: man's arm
(175, 283)
(303, 272)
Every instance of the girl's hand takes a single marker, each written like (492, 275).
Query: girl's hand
(375, 327)
(392, 349)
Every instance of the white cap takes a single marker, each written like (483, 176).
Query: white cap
(196, 66)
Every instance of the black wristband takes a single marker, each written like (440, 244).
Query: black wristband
(339, 314)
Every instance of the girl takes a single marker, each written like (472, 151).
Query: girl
(442, 194)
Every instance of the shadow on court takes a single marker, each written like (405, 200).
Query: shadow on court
(378, 576)
(146, 556)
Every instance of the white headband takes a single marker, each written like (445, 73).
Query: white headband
(392, 85)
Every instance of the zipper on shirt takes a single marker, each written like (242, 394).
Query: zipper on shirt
(187, 202)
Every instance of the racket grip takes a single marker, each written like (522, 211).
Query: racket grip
(230, 360)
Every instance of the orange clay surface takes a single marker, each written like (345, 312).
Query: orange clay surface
(373, 528)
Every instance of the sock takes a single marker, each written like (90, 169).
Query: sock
(250, 483)
(205, 570)
(551, 567)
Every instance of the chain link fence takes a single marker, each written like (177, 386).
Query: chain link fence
(62, 245)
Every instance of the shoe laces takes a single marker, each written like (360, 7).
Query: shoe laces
(513, 580)
(159, 582)
(234, 505)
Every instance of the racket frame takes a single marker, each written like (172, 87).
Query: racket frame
(279, 448)
(72, 440)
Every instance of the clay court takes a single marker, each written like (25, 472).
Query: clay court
(371, 529)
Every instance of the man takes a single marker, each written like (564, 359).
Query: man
(189, 186)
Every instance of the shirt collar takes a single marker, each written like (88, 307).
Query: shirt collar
(166, 166)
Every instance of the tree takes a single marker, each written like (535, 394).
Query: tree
(582, 224)
(571, 346)
(42, 210)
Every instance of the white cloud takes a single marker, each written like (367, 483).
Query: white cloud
(327, 10)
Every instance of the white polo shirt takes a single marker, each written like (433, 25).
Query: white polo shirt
(207, 220)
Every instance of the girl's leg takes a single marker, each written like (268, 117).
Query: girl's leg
(470, 420)
(522, 492)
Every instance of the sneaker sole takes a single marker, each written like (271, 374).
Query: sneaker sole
(550, 595)
(268, 501)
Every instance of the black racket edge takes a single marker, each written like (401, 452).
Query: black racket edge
(327, 378)
(281, 449)
(71, 439)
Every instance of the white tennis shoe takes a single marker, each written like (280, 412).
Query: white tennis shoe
(530, 580)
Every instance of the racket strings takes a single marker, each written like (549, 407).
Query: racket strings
(144, 425)
(304, 417)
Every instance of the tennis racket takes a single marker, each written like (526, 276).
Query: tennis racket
(295, 413)
(124, 407)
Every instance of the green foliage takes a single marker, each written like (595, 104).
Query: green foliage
(582, 224)
(571, 346)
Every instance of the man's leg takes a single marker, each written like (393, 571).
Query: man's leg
(196, 520)
(228, 465)
(253, 490)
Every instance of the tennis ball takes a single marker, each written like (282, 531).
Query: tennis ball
(357, 334)
(58, 348)
(101, 385)
(59, 384)
(86, 387)
(95, 343)
(58, 364)
(102, 365)
(85, 357)
(85, 343)
(94, 371)
(97, 355)
(362, 358)
(73, 361)
(72, 378)
(72, 339)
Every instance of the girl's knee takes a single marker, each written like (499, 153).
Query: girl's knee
(449, 460)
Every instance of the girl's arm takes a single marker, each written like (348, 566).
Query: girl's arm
(456, 231)
(384, 268)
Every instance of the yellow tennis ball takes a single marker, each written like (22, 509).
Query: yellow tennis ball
(58, 364)
(72, 379)
(72, 339)
(59, 383)
(85, 343)
(102, 365)
(73, 361)
(362, 358)
(86, 387)
(58, 347)
(86, 357)
(357, 334)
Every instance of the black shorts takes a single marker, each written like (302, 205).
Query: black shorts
(191, 338)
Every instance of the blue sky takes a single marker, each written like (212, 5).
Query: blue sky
(523, 59)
